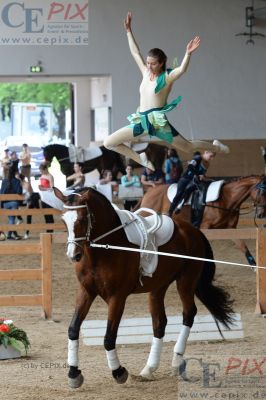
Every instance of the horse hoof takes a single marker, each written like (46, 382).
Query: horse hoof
(120, 375)
(178, 363)
(146, 374)
(75, 383)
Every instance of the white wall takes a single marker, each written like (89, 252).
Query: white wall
(223, 90)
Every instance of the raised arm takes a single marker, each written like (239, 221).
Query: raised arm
(133, 47)
(177, 72)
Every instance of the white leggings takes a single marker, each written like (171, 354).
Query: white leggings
(116, 141)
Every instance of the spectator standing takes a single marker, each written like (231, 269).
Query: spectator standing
(107, 177)
(46, 183)
(78, 178)
(5, 163)
(172, 167)
(14, 161)
(32, 199)
(25, 158)
(11, 185)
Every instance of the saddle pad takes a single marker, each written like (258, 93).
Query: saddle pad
(137, 233)
(213, 192)
(80, 154)
(48, 197)
(171, 192)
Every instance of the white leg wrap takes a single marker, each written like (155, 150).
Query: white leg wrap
(154, 358)
(112, 359)
(155, 353)
(180, 345)
(73, 357)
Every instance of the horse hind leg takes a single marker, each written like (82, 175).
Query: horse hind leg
(83, 303)
(189, 313)
(159, 321)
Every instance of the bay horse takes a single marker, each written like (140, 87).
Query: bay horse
(114, 275)
(108, 160)
(223, 213)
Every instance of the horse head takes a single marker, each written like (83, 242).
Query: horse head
(77, 218)
(260, 198)
(88, 215)
(46, 154)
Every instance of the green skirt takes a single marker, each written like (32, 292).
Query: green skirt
(154, 122)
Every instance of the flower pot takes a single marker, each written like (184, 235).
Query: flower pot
(8, 352)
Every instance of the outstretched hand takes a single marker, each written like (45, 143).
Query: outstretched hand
(193, 44)
(127, 21)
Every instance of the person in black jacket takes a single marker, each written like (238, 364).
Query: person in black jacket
(11, 185)
(195, 171)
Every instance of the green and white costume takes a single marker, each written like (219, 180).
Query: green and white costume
(154, 121)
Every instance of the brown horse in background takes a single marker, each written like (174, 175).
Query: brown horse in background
(223, 213)
(114, 274)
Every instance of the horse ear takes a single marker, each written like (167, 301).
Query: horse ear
(60, 195)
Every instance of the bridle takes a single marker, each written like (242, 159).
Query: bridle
(85, 238)
(261, 189)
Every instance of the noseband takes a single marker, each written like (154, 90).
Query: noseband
(81, 238)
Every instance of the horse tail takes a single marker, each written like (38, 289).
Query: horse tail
(215, 298)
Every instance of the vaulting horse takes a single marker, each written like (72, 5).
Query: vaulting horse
(114, 274)
(101, 160)
(104, 159)
(222, 213)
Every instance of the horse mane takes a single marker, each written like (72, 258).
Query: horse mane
(239, 178)
(106, 202)
(54, 145)
(84, 190)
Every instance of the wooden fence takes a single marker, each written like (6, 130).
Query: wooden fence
(36, 213)
(44, 273)
(42, 248)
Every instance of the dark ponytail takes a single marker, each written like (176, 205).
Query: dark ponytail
(160, 56)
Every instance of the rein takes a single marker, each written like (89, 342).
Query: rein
(233, 210)
(236, 210)
(113, 230)
(63, 159)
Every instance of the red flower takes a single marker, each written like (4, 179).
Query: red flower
(4, 328)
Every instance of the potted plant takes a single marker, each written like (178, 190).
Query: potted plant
(12, 340)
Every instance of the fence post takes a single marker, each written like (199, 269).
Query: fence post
(46, 263)
(261, 273)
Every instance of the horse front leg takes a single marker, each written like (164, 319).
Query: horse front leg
(115, 311)
(83, 303)
(159, 322)
(186, 293)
